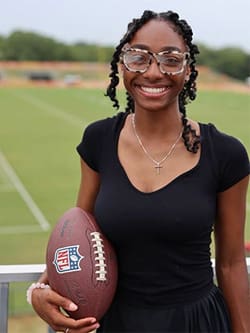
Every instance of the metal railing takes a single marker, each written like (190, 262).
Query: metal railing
(15, 273)
(24, 273)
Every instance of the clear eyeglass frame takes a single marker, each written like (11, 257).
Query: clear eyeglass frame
(158, 57)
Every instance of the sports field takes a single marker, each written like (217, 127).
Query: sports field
(39, 167)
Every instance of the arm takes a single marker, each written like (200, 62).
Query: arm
(231, 267)
(89, 188)
(46, 302)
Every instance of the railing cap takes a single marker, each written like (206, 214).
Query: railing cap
(17, 273)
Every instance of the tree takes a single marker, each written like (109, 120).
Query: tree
(91, 52)
(31, 46)
(231, 61)
(2, 41)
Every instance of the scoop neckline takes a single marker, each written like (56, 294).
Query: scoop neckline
(169, 184)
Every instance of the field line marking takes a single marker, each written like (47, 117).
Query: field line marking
(53, 110)
(44, 224)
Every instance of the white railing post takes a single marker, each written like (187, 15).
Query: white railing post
(4, 295)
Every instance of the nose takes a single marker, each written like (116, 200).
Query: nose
(153, 69)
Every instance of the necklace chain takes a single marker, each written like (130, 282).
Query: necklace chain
(158, 164)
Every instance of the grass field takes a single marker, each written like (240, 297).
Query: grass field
(39, 167)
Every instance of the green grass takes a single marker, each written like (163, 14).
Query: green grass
(229, 111)
(39, 130)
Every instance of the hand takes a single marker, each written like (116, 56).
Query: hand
(47, 304)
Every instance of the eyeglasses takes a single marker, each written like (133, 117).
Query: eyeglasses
(170, 62)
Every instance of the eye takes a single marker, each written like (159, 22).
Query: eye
(171, 60)
(136, 57)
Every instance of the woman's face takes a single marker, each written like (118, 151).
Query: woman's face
(153, 90)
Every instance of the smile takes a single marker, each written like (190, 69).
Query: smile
(154, 90)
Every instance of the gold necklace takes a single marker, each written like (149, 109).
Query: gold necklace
(157, 164)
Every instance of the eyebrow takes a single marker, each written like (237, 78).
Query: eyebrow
(166, 48)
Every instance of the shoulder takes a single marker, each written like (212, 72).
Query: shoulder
(105, 125)
(222, 141)
(229, 155)
(96, 136)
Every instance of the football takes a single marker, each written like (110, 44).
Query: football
(81, 264)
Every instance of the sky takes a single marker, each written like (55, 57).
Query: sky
(216, 23)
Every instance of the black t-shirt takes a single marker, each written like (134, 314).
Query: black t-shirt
(162, 238)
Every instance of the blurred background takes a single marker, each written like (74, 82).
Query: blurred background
(54, 66)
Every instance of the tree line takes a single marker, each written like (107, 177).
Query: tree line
(31, 46)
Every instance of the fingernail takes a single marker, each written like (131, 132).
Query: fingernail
(72, 307)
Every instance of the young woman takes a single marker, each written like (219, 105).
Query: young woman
(159, 184)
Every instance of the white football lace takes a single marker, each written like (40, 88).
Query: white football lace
(99, 256)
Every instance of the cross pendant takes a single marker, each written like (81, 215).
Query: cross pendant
(158, 168)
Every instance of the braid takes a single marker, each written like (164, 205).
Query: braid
(188, 93)
(130, 103)
(133, 27)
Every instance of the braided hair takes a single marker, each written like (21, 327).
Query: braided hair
(188, 93)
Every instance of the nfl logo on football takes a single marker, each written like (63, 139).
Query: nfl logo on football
(67, 259)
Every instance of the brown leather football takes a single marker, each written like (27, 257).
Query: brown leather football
(81, 264)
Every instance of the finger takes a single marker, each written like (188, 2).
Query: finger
(89, 329)
(61, 301)
(86, 328)
(79, 326)
(55, 317)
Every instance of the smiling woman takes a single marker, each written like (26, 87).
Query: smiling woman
(158, 185)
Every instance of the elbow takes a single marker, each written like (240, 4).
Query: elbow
(232, 270)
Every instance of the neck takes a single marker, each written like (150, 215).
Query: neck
(158, 124)
(157, 162)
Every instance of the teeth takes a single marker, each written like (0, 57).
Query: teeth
(153, 90)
